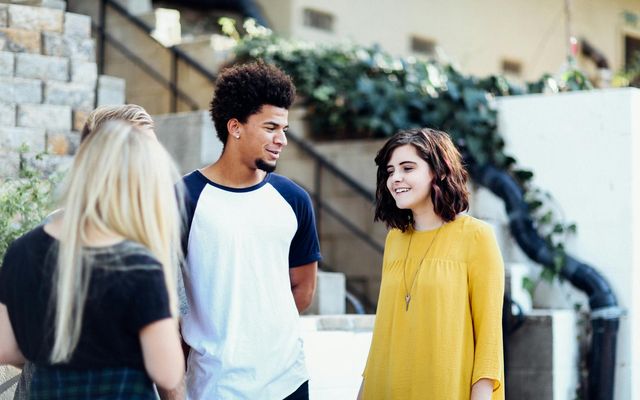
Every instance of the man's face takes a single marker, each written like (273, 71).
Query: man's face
(263, 137)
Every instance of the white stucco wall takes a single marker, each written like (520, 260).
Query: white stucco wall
(476, 35)
(584, 148)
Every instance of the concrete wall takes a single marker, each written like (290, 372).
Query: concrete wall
(190, 137)
(477, 35)
(584, 148)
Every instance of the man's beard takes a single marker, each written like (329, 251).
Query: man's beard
(261, 164)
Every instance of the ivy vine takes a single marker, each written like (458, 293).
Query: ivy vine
(352, 91)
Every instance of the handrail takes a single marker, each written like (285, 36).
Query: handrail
(181, 54)
(177, 55)
(359, 233)
(346, 179)
(153, 73)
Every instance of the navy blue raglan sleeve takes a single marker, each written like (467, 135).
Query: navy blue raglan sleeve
(305, 246)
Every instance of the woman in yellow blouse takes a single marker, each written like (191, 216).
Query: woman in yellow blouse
(438, 332)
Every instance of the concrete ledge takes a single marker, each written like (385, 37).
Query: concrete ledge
(543, 354)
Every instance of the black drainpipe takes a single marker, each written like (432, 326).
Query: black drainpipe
(605, 313)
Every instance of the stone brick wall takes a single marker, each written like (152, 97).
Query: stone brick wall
(49, 81)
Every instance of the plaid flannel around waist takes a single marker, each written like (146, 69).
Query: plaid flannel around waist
(102, 383)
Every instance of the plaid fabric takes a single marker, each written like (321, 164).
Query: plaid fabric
(53, 383)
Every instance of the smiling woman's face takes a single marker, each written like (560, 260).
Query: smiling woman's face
(409, 179)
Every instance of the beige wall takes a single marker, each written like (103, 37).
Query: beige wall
(476, 35)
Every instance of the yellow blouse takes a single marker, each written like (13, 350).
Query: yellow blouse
(451, 335)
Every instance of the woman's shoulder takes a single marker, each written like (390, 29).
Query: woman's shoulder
(127, 255)
(31, 241)
(395, 234)
(469, 225)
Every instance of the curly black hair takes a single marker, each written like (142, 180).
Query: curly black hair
(241, 91)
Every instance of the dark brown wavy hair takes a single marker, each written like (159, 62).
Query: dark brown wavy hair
(449, 192)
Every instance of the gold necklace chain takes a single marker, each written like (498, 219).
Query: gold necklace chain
(407, 295)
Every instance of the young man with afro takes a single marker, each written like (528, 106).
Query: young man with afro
(252, 249)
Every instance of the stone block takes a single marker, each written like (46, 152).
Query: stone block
(77, 25)
(79, 118)
(12, 138)
(46, 68)
(4, 19)
(6, 63)
(48, 116)
(20, 90)
(110, 90)
(50, 164)
(36, 18)
(55, 4)
(7, 114)
(9, 166)
(76, 95)
(20, 40)
(55, 44)
(62, 143)
(84, 72)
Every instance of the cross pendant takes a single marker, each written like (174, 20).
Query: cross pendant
(407, 299)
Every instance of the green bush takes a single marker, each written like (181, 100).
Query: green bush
(24, 201)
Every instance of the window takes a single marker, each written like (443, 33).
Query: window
(511, 67)
(423, 46)
(318, 19)
(631, 51)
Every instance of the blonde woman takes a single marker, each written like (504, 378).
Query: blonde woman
(89, 298)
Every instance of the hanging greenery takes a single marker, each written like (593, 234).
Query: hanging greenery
(353, 91)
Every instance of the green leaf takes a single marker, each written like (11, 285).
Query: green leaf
(547, 275)
(529, 285)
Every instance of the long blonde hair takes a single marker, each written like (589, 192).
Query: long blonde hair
(122, 182)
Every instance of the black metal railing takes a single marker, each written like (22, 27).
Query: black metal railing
(177, 55)
(324, 209)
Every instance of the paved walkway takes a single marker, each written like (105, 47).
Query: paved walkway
(336, 349)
